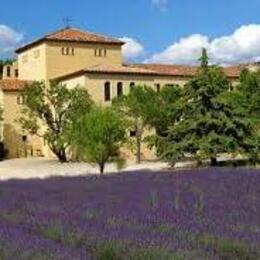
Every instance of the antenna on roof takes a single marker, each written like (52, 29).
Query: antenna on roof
(67, 22)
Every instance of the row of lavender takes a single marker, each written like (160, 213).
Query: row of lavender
(200, 214)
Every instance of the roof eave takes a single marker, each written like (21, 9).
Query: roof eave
(42, 40)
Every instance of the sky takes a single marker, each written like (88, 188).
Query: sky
(155, 31)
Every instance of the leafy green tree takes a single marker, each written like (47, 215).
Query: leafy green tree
(49, 112)
(166, 110)
(246, 99)
(208, 125)
(98, 135)
(139, 107)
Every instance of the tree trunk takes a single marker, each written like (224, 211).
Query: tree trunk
(139, 133)
(213, 161)
(138, 152)
(102, 168)
(61, 154)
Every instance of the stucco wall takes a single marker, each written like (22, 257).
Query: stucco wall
(32, 63)
(12, 69)
(74, 82)
(95, 84)
(13, 133)
(84, 56)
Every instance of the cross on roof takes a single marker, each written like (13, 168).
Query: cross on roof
(67, 22)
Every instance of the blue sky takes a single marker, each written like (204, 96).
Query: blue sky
(171, 31)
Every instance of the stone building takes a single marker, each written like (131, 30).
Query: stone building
(78, 58)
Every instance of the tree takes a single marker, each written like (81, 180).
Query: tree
(49, 112)
(166, 110)
(208, 125)
(99, 134)
(246, 99)
(139, 107)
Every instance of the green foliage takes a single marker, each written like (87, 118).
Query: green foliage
(166, 111)
(246, 99)
(139, 107)
(228, 249)
(118, 250)
(99, 134)
(207, 124)
(50, 111)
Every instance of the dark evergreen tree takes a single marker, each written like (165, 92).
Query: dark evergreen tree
(208, 125)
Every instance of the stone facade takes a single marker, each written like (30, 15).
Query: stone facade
(77, 58)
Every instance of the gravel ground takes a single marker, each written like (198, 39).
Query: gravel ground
(44, 168)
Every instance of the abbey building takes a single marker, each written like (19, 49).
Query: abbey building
(77, 58)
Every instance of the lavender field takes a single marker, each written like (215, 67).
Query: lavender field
(193, 214)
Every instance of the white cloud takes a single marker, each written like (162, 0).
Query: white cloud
(186, 51)
(9, 38)
(161, 4)
(132, 48)
(241, 46)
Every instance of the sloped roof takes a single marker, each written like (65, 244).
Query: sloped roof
(108, 69)
(73, 35)
(184, 70)
(119, 69)
(12, 84)
(148, 69)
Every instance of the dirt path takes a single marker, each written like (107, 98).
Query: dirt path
(44, 168)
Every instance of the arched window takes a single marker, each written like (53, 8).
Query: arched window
(132, 85)
(119, 89)
(107, 92)
(16, 73)
(8, 71)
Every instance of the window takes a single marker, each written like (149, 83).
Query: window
(20, 100)
(8, 71)
(120, 89)
(67, 51)
(107, 94)
(100, 52)
(158, 88)
(132, 85)
(132, 133)
(16, 72)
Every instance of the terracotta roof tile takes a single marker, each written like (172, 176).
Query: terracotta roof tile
(148, 69)
(184, 70)
(73, 35)
(119, 69)
(12, 84)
